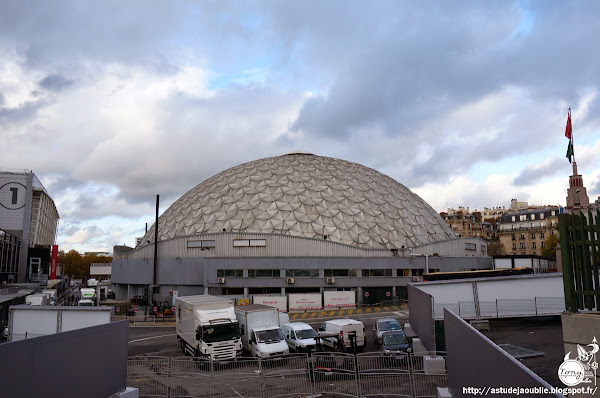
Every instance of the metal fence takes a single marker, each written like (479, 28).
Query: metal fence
(294, 375)
(580, 256)
(502, 308)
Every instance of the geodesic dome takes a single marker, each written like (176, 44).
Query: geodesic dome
(308, 196)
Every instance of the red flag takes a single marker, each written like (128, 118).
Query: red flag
(568, 129)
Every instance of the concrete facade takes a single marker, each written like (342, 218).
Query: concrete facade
(28, 218)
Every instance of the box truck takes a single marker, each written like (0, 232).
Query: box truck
(207, 327)
(261, 335)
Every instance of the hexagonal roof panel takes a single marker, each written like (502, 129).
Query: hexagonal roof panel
(305, 195)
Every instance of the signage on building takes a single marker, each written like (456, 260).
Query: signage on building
(53, 261)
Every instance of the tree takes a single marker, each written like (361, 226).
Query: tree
(549, 248)
(495, 248)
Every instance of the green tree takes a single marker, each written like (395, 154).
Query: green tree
(549, 248)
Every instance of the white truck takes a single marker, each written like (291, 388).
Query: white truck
(52, 293)
(207, 327)
(87, 293)
(37, 299)
(261, 335)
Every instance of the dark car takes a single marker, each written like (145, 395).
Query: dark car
(383, 325)
(395, 343)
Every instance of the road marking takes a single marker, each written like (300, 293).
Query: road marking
(331, 313)
(150, 338)
(341, 312)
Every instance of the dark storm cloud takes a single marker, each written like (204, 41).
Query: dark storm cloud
(535, 173)
(55, 82)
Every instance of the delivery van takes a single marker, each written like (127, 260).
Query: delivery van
(344, 329)
(299, 336)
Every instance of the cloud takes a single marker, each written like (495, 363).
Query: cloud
(112, 103)
(55, 82)
(533, 173)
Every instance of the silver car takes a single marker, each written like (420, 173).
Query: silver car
(383, 325)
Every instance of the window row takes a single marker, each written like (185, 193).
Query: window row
(314, 273)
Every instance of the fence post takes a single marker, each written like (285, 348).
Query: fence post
(212, 375)
(537, 326)
(497, 316)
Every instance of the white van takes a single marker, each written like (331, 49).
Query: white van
(342, 328)
(299, 336)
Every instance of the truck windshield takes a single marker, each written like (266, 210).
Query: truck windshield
(305, 334)
(212, 334)
(265, 336)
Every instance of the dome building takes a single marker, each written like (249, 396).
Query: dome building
(294, 223)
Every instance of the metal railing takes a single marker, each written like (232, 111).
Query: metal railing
(502, 308)
(580, 255)
(293, 375)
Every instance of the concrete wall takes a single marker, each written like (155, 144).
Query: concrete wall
(580, 329)
(421, 316)
(475, 361)
(90, 362)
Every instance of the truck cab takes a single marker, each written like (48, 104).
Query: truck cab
(207, 327)
(267, 342)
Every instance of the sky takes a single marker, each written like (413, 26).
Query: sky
(465, 102)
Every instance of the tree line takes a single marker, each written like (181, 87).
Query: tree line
(78, 266)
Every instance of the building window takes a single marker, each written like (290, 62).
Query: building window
(328, 273)
(523, 217)
(376, 272)
(522, 236)
(249, 242)
(522, 245)
(513, 236)
(533, 245)
(542, 235)
(470, 246)
(542, 216)
(553, 212)
(230, 273)
(533, 235)
(302, 273)
(514, 246)
(532, 217)
(513, 218)
(203, 244)
(263, 273)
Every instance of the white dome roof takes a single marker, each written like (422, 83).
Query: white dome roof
(308, 196)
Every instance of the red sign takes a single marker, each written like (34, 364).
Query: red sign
(388, 294)
(366, 294)
(53, 261)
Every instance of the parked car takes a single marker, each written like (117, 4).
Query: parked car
(299, 336)
(5, 333)
(394, 342)
(383, 325)
(343, 329)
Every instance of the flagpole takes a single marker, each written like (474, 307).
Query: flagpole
(572, 145)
